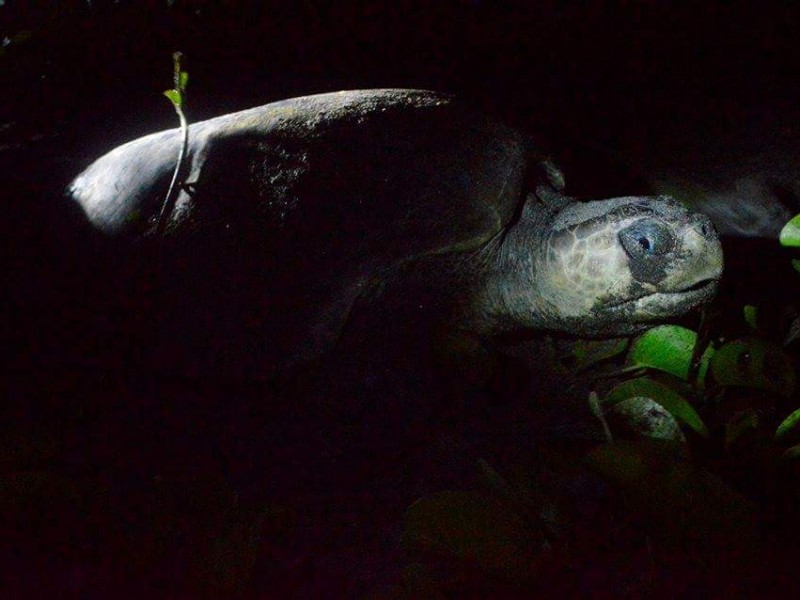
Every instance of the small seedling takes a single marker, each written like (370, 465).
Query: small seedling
(177, 96)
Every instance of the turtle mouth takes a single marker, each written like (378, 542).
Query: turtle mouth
(657, 305)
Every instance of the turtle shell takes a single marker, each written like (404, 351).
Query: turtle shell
(292, 210)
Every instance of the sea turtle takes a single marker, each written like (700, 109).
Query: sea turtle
(295, 214)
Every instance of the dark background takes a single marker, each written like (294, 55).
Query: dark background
(631, 97)
(621, 74)
(651, 88)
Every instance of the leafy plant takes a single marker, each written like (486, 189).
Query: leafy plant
(790, 234)
(177, 95)
(668, 398)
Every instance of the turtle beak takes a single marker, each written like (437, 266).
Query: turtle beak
(702, 262)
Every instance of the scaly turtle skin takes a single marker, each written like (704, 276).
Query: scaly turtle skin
(297, 213)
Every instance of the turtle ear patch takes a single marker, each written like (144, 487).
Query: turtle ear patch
(648, 244)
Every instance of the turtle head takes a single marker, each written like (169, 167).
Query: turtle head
(602, 268)
(615, 267)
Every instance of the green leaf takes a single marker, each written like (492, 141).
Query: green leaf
(796, 264)
(688, 510)
(739, 425)
(789, 425)
(790, 234)
(671, 400)
(640, 417)
(476, 528)
(792, 452)
(587, 353)
(175, 97)
(668, 348)
(183, 81)
(750, 315)
(754, 363)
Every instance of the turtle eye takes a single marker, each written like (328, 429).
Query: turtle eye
(647, 238)
(646, 244)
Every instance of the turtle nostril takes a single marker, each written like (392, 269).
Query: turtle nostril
(705, 228)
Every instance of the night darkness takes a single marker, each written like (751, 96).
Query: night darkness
(118, 479)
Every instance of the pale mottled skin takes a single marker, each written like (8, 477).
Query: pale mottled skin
(299, 210)
(579, 277)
